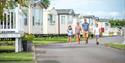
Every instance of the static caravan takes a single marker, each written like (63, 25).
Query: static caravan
(34, 21)
(56, 21)
(50, 21)
(65, 18)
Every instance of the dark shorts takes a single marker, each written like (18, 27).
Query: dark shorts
(97, 36)
(78, 34)
(86, 29)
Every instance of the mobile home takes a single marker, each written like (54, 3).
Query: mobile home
(56, 21)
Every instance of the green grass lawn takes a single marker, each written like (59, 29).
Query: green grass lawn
(51, 39)
(23, 56)
(46, 41)
(17, 62)
(4, 48)
(27, 57)
(7, 55)
(39, 41)
(118, 46)
(7, 42)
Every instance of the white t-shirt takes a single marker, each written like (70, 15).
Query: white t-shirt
(70, 32)
(96, 29)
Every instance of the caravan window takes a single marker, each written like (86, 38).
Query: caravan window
(52, 19)
(62, 19)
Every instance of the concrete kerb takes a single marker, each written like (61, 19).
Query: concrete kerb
(34, 54)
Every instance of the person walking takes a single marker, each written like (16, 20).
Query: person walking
(97, 33)
(69, 33)
(85, 27)
(77, 32)
(102, 31)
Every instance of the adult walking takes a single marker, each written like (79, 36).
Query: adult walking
(77, 32)
(85, 27)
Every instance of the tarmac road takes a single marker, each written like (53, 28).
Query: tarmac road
(79, 53)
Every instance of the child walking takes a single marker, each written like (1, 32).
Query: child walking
(97, 34)
(70, 33)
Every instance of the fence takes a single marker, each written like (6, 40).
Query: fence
(12, 26)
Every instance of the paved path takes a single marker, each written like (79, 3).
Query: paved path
(79, 53)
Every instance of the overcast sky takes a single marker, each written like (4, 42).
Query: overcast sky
(99, 8)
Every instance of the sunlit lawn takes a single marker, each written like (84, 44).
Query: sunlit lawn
(46, 41)
(17, 62)
(27, 57)
(5, 48)
(118, 46)
(23, 57)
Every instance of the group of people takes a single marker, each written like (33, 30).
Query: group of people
(84, 28)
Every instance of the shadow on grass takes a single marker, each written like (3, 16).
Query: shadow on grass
(49, 61)
(7, 51)
(10, 61)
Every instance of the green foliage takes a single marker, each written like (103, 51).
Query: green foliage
(21, 2)
(10, 4)
(115, 23)
(2, 5)
(28, 37)
(7, 41)
(46, 2)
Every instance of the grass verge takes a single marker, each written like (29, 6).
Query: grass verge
(16, 61)
(23, 56)
(46, 41)
(118, 46)
(4, 48)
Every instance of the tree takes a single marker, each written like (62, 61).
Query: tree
(115, 23)
(9, 4)
(21, 2)
(46, 2)
(12, 4)
(2, 5)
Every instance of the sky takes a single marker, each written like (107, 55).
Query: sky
(100, 8)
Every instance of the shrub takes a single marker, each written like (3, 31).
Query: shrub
(28, 37)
